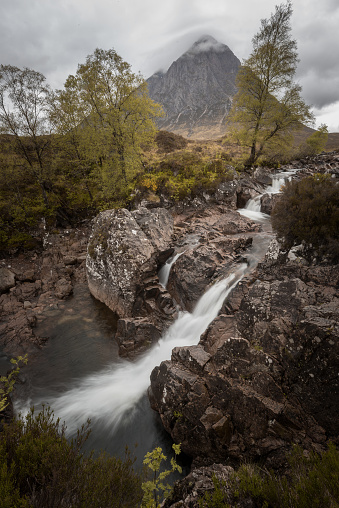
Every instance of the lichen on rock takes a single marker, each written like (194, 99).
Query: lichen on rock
(122, 249)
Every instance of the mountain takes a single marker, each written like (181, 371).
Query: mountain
(197, 90)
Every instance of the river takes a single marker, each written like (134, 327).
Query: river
(80, 375)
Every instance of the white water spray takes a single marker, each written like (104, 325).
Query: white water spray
(111, 395)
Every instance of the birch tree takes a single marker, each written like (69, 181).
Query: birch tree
(268, 107)
(24, 99)
(106, 115)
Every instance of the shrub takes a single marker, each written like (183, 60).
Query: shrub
(40, 467)
(308, 212)
(168, 141)
(155, 489)
(313, 481)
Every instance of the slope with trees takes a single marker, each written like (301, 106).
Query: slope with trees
(66, 154)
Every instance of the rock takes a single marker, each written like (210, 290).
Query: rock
(122, 251)
(134, 336)
(263, 377)
(226, 193)
(263, 175)
(189, 492)
(192, 273)
(7, 280)
(63, 288)
(268, 202)
(42, 279)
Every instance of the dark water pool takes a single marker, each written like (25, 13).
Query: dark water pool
(81, 343)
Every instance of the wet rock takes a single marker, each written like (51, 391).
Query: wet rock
(263, 175)
(63, 288)
(268, 202)
(135, 336)
(42, 279)
(192, 273)
(263, 376)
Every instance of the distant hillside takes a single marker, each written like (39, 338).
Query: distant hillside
(197, 90)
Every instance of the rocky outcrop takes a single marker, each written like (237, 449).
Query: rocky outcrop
(264, 375)
(189, 492)
(125, 249)
(122, 251)
(326, 162)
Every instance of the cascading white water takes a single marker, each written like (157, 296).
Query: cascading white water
(252, 209)
(278, 180)
(164, 271)
(111, 395)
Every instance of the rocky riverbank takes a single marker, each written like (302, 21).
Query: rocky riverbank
(31, 283)
(264, 373)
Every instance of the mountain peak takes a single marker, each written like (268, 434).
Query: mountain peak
(204, 44)
(196, 91)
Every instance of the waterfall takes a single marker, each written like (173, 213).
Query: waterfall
(278, 180)
(252, 209)
(111, 395)
(166, 268)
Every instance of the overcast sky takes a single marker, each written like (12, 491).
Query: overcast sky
(54, 36)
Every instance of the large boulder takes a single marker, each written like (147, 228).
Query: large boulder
(122, 251)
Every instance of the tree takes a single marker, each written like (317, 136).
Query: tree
(268, 107)
(316, 142)
(24, 98)
(106, 116)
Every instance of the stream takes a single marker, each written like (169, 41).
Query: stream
(80, 375)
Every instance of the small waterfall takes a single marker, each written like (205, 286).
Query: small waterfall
(164, 271)
(110, 396)
(252, 209)
(278, 180)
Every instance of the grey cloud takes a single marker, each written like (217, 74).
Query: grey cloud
(53, 37)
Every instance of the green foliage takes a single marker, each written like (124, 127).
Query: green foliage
(67, 154)
(155, 489)
(40, 467)
(105, 116)
(185, 174)
(218, 498)
(308, 212)
(316, 142)
(313, 481)
(7, 382)
(268, 106)
(24, 98)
